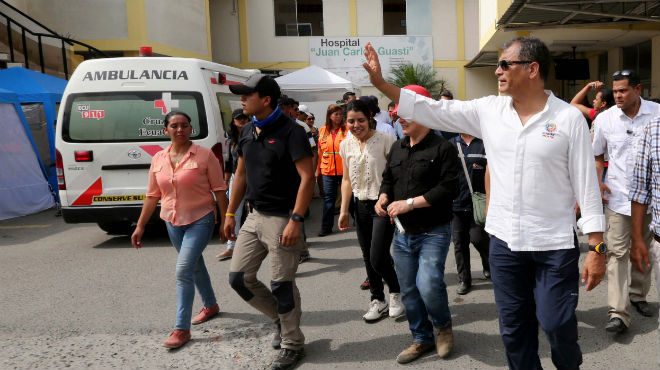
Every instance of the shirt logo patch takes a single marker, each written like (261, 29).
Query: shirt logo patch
(271, 141)
(550, 130)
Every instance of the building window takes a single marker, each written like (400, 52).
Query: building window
(638, 58)
(298, 17)
(394, 17)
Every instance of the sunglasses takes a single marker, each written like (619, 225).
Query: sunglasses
(311, 118)
(505, 64)
(625, 73)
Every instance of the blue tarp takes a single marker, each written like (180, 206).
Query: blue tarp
(29, 86)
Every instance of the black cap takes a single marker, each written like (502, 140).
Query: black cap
(238, 113)
(261, 83)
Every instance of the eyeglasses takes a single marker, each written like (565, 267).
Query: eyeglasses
(625, 73)
(505, 64)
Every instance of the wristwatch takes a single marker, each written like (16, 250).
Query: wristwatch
(600, 248)
(411, 203)
(296, 217)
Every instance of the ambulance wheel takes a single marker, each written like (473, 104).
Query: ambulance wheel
(116, 228)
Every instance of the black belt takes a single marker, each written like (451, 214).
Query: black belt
(656, 237)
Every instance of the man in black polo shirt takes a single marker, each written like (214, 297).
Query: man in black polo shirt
(419, 185)
(275, 165)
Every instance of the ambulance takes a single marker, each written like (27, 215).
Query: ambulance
(110, 124)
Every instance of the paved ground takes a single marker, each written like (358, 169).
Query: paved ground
(73, 296)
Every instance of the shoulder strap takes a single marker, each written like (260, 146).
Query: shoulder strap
(467, 176)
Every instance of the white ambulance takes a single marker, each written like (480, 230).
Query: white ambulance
(110, 124)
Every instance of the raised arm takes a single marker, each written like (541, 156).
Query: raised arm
(581, 97)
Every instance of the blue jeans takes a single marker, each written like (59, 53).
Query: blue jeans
(238, 215)
(420, 267)
(330, 186)
(190, 241)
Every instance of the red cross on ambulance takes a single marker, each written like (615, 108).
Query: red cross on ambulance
(166, 103)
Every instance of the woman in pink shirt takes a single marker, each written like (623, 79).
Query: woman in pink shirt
(185, 177)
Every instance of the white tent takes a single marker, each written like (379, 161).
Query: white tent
(316, 88)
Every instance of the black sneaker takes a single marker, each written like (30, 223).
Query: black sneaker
(277, 337)
(365, 284)
(287, 359)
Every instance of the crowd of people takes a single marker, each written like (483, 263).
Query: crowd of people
(409, 180)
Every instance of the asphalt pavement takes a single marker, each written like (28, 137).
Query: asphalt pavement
(73, 296)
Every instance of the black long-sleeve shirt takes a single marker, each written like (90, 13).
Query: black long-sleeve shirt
(429, 168)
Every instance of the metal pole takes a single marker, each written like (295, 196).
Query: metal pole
(41, 56)
(64, 64)
(10, 41)
(25, 54)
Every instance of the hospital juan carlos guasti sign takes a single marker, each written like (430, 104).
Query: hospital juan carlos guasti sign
(344, 55)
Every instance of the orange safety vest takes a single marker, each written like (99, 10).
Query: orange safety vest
(329, 158)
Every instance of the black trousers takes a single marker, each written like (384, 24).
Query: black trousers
(375, 235)
(465, 230)
(532, 289)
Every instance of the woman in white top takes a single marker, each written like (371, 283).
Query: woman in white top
(364, 157)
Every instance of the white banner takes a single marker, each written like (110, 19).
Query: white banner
(344, 55)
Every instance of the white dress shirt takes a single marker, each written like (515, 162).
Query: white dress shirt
(537, 171)
(618, 135)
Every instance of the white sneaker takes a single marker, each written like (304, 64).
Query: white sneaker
(396, 306)
(377, 309)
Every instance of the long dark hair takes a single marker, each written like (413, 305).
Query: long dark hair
(233, 133)
(362, 107)
(332, 108)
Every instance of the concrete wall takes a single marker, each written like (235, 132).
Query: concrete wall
(263, 45)
(178, 24)
(480, 82)
(471, 28)
(225, 40)
(445, 44)
(336, 18)
(370, 18)
(79, 19)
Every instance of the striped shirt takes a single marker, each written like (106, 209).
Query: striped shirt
(645, 184)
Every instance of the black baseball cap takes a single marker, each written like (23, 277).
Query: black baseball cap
(238, 113)
(261, 83)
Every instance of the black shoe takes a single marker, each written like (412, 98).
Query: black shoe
(615, 325)
(287, 359)
(643, 308)
(487, 274)
(325, 232)
(277, 337)
(304, 258)
(365, 284)
(463, 288)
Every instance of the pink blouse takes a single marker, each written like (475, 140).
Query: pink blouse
(185, 192)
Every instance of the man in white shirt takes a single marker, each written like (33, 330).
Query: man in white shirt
(617, 132)
(540, 163)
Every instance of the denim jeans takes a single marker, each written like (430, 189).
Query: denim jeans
(190, 241)
(238, 215)
(330, 186)
(420, 267)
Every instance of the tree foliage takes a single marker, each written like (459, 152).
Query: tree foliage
(418, 74)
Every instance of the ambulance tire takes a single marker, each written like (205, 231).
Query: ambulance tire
(116, 228)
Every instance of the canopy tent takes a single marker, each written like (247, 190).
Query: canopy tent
(316, 88)
(37, 97)
(23, 187)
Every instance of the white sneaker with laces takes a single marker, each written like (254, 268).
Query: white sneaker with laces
(396, 306)
(377, 309)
